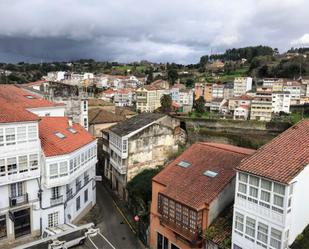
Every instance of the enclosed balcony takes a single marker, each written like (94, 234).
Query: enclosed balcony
(56, 200)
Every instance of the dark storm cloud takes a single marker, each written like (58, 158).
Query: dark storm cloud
(127, 30)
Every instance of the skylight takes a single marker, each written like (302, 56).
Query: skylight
(29, 97)
(72, 130)
(184, 164)
(60, 135)
(210, 173)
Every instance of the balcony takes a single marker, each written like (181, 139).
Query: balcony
(122, 169)
(86, 179)
(69, 194)
(78, 185)
(18, 200)
(194, 238)
(56, 200)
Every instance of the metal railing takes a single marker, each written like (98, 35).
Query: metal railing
(56, 200)
(18, 200)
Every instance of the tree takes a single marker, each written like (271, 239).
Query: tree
(200, 105)
(166, 103)
(172, 75)
(189, 83)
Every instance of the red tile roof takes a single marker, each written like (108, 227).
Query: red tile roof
(10, 112)
(24, 99)
(53, 145)
(189, 185)
(35, 83)
(282, 158)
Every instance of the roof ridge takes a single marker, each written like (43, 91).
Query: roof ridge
(217, 146)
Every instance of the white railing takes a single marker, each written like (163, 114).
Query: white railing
(56, 200)
(122, 169)
(23, 176)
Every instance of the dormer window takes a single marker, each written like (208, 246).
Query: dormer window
(60, 135)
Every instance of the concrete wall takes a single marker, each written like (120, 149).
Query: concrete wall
(223, 200)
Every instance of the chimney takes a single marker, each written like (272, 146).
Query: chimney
(70, 121)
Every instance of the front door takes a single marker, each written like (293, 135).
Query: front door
(22, 222)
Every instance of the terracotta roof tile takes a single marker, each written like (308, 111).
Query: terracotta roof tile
(53, 145)
(282, 158)
(189, 185)
(101, 116)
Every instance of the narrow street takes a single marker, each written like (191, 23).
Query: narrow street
(111, 223)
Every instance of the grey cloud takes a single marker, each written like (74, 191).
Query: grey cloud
(127, 30)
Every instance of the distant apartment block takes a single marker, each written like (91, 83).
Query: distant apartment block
(242, 85)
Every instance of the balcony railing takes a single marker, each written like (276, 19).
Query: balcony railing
(69, 194)
(18, 200)
(86, 179)
(194, 238)
(56, 200)
(78, 186)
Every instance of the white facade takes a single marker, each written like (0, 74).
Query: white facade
(217, 91)
(242, 85)
(296, 91)
(281, 102)
(20, 163)
(268, 214)
(241, 113)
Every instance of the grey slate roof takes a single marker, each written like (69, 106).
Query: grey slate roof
(130, 125)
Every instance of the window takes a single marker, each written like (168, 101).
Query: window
(275, 238)
(2, 167)
(85, 105)
(3, 231)
(265, 196)
(279, 189)
(159, 241)
(242, 188)
(266, 184)
(278, 200)
(53, 219)
(21, 134)
(55, 192)
(253, 180)
(32, 133)
(22, 164)
(243, 177)
(53, 170)
(60, 135)
(262, 234)
(34, 161)
(63, 169)
(71, 166)
(85, 122)
(86, 195)
(10, 136)
(250, 228)
(12, 165)
(239, 222)
(77, 203)
(1, 137)
(16, 189)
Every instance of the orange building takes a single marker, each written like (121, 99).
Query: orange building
(203, 89)
(191, 192)
(208, 93)
(198, 90)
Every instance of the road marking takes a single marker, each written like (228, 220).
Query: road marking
(126, 220)
(107, 240)
(92, 243)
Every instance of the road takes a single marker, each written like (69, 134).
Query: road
(112, 225)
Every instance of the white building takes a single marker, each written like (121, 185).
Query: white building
(281, 102)
(217, 91)
(242, 85)
(123, 97)
(271, 204)
(42, 155)
(241, 112)
(296, 90)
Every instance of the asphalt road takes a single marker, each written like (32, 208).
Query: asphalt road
(112, 225)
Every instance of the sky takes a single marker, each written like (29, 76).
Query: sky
(178, 31)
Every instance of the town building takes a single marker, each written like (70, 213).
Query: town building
(123, 97)
(228, 91)
(243, 100)
(242, 85)
(74, 99)
(261, 105)
(281, 102)
(241, 112)
(191, 192)
(144, 141)
(204, 90)
(271, 202)
(42, 155)
(296, 89)
(217, 91)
